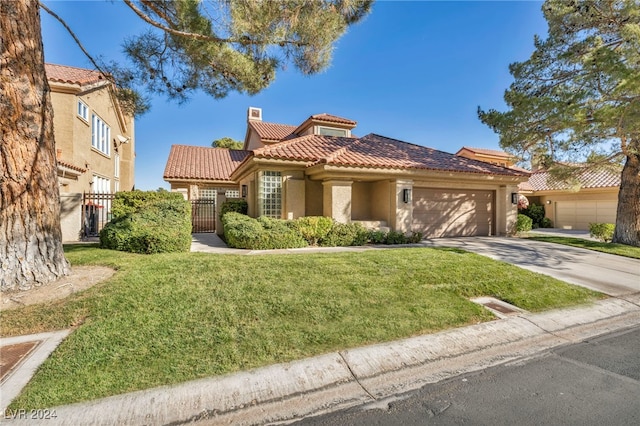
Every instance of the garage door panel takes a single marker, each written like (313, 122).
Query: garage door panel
(579, 214)
(449, 213)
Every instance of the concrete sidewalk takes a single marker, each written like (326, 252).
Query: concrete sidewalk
(285, 392)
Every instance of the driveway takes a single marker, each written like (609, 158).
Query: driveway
(606, 273)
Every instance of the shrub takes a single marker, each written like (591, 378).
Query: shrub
(264, 233)
(345, 234)
(415, 237)
(148, 222)
(546, 223)
(377, 237)
(523, 224)
(602, 231)
(313, 228)
(238, 206)
(395, 237)
(536, 213)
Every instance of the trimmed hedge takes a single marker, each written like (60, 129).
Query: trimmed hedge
(148, 222)
(238, 206)
(602, 231)
(523, 223)
(266, 233)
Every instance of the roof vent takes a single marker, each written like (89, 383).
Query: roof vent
(254, 114)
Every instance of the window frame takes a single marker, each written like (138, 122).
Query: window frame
(100, 135)
(270, 194)
(82, 111)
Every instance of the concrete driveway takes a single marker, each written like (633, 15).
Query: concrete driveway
(606, 273)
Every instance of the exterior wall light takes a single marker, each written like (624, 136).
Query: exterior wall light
(514, 198)
(548, 201)
(406, 195)
(244, 191)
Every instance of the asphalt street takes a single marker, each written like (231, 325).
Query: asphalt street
(594, 382)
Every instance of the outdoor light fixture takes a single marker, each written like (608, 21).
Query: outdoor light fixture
(514, 198)
(548, 201)
(406, 195)
(244, 191)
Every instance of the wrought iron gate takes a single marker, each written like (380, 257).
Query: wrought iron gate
(203, 215)
(96, 212)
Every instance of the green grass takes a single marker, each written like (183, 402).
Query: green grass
(168, 318)
(611, 248)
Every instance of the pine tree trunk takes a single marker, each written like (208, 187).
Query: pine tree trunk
(628, 215)
(30, 237)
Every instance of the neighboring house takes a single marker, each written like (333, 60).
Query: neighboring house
(594, 200)
(320, 169)
(94, 143)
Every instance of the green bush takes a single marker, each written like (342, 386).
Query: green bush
(536, 213)
(377, 237)
(238, 206)
(148, 222)
(313, 228)
(546, 223)
(602, 231)
(345, 234)
(394, 237)
(523, 223)
(263, 233)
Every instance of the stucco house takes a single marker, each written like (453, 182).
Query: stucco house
(319, 168)
(593, 200)
(95, 142)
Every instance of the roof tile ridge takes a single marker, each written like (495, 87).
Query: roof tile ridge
(283, 143)
(73, 67)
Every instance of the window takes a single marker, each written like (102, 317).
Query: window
(330, 131)
(116, 186)
(210, 193)
(83, 111)
(270, 194)
(100, 135)
(101, 185)
(116, 170)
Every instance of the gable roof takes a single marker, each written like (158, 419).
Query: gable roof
(543, 180)
(485, 151)
(197, 162)
(271, 131)
(376, 151)
(72, 75)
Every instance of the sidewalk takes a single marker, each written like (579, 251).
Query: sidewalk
(285, 392)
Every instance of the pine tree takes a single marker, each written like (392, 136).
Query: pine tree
(577, 99)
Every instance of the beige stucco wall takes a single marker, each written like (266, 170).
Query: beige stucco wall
(313, 198)
(71, 216)
(254, 141)
(337, 200)
(293, 192)
(73, 138)
(362, 201)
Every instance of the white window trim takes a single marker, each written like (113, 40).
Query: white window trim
(84, 115)
(100, 135)
(116, 168)
(347, 133)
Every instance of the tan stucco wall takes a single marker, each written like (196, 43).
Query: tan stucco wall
(313, 198)
(254, 141)
(73, 139)
(70, 216)
(362, 201)
(381, 201)
(337, 200)
(293, 189)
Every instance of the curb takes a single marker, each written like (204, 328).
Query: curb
(290, 391)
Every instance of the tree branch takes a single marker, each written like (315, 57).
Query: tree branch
(77, 40)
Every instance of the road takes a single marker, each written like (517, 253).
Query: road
(594, 382)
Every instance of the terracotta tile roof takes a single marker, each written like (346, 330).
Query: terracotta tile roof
(196, 162)
(332, 119)
(73, 75)
(271, 131)
(71, 166)
(378, 152)
(485, 151)
(603, 178)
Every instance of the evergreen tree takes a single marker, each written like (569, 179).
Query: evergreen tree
(575, 103)
(227, 142)
(218, 47)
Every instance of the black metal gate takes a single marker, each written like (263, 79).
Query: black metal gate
(96, 212)
(203, 216)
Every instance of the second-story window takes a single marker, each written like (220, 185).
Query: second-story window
(100, 135)
(116, 171)
(83, 111)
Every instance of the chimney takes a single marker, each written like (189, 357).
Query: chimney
(254, 114)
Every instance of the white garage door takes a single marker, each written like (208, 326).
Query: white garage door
(452, 213)
(579, 214)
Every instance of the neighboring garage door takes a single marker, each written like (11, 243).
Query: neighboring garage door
(579, 214)
(453, 213)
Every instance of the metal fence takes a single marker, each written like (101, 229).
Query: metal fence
(96, 212)
(203, 215)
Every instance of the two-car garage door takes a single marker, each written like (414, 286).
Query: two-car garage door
(453, 213)
(580, 213)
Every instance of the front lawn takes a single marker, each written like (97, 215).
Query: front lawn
(168, 318)
(611, 248)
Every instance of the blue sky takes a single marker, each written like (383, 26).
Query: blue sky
(412, 70)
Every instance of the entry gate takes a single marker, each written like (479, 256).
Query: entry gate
(96, 212)
(203, 215)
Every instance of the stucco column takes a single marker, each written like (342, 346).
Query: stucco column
(336, 200)
(403, 218)
(221, 197)
(506, 212)
(294, 195)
